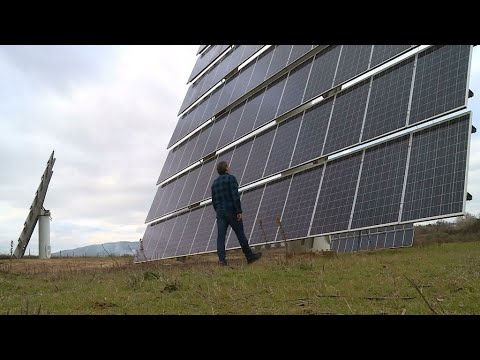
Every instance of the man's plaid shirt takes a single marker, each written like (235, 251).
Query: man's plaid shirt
(225, 194)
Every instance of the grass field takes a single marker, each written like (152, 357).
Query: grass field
(441, 278)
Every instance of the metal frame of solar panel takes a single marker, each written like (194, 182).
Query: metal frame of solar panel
(391, 159)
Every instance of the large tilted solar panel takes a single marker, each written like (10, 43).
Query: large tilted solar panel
(334, 124)
(201, 48)
(353, 192)
(206, 58)
(381, 185)
(248, 78)
(372, 108)
(373, 239)
(323, 63)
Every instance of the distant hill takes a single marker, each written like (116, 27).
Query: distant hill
(118, 248)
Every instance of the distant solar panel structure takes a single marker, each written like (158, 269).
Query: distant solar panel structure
(373, 239)
(367, 159)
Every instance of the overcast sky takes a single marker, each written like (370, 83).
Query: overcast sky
(108, 112)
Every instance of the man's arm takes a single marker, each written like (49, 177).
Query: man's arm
(214, 199)
(235, 195)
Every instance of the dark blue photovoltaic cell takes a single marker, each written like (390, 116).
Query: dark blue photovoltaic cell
(166, 166)
(436, 172)
(381, 184)
(227, 92)
(242, 82)
(192, 177)
(261, 68)
(336, 195)
(198, 151)
(273, 201)
(212, 104)
(187, 154)
(283, 144)
(312, 132)
(191, 224)
(175, 167)
(382, 53)
(249, 114)
(217, 130)
(206, 230)
(440, 81)
(175, 236)
(388, 101)
(203, 180)
(145, 252)
(353, 61)
(232, 124)
(177, 188)
(206, 59)
(176, 133)
(298, 51)
(323, 70)
(294, 88)
(258, 157)
(299, 206)
(270, 102)
(162, 237)
(279, 60)
(239, 159)
(347, 118)
(156, 201)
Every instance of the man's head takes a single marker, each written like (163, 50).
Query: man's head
(222, 167)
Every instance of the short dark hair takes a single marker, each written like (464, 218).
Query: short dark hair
(222, 167)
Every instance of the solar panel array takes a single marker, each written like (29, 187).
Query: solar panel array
(411, 177)
(372, 239)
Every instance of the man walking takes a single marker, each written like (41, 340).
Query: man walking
(226, 202)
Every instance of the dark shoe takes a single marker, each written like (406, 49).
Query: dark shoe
(254, 257)
(222, 263)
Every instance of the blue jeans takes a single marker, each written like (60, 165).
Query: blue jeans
(224, 219)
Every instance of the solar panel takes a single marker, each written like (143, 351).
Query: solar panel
(200, 48)
(354, 59)
(191, 224)
(335, 199)
(294, 88)
(206, 58)
(258, 157)
(373, 239)
(297, 52)
(271, 207)
(381, 184)
(231, 125)
(438, 158)
(312, 132)
(323, 72)
(270, 102)
(355, 195)
(283, 144)
(347, 117)
(440, 81)
(388, 101)
(300, 202)
(206, 229)
(382, 53)
(249, 114)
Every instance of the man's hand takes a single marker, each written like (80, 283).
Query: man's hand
(239, 217)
